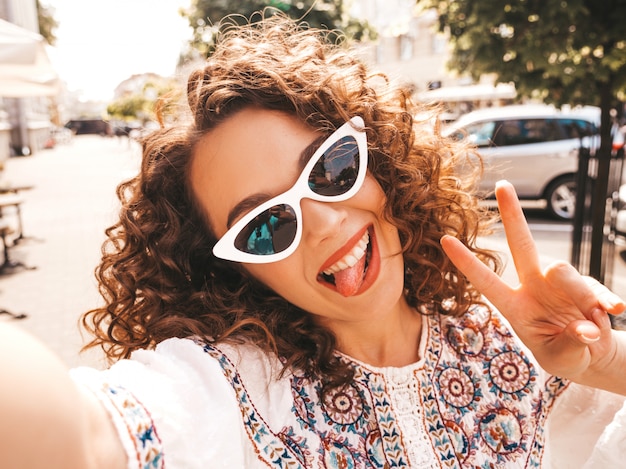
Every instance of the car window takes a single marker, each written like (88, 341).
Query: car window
(544, 130)
(479, 133)
(587, 128)
(524, 131)
(527, 131)
(571, 128)
(577, 128)
(509, 132)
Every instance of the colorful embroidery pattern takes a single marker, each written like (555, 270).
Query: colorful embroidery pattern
(475, 400)
(494, 404)
(268, 445)
(140, 427)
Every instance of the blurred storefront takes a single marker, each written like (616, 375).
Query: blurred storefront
(27, 81)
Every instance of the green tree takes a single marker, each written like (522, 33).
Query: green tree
(204, 17)
(129, 107)
(141, 106)
(562, 52)
(47, 23)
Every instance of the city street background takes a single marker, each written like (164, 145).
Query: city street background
(72, 201)
(64, 216)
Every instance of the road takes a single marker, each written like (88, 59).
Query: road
(66, 212)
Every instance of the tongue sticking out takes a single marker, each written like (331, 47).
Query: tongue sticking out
(348, 281)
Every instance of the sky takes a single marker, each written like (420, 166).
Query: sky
(100, 43)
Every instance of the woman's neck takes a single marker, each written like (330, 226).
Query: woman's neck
(391, 341)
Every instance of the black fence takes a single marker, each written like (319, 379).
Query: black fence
(597, 203)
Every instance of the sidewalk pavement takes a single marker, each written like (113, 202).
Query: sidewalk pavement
(65, 214)
(64, 217)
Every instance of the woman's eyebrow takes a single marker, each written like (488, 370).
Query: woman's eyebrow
(246, 205)
(310, 150)
(257, 199)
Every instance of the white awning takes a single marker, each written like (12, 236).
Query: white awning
(25, 68)
(468, 93)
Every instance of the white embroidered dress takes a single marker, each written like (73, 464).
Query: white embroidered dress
(475, 399)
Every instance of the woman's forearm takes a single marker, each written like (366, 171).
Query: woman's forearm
(46, 421)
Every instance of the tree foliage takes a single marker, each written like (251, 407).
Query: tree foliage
(129, 107)
(204, 17)
(141, 105)
(47, 23)
(566, 51)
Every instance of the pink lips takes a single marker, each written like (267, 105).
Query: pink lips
(374, 262)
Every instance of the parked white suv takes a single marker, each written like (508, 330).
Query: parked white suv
(535, 147)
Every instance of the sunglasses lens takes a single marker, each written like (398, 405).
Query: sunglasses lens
(270, 232)
(336, 171)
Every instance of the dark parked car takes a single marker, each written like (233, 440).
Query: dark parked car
(89, 126)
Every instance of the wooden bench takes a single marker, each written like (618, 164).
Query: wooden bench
(8, 265)
(11, 199)
(5, 231)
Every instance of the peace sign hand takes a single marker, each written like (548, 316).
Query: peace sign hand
(560, 315)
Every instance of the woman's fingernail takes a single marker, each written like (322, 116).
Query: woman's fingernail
(616, 302)
(588, 340)
(588, 333)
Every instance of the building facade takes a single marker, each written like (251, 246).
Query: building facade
(410, 49)
(27, 118)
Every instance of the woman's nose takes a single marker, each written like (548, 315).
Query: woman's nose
(321, 220)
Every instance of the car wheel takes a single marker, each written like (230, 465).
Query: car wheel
(561, 198)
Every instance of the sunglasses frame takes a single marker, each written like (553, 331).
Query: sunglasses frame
(225, 247)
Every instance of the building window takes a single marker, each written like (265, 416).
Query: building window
(406, 47)
(440, 43)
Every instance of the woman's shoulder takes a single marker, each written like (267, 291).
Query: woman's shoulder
(243, 358)
(202, 358)
(195, 352)
(174, 398)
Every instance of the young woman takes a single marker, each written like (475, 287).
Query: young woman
(280, 292)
